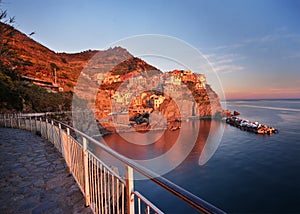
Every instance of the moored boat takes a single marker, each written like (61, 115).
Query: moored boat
(249, 126)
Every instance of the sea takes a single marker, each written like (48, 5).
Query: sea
(241, 172)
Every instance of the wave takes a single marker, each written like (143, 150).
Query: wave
(268, 107)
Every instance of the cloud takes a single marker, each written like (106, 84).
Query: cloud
(225, 63)
(227, 58)
(229, 47)
(294, 37)
(242, 44)
(209, 56)
(262, 39)
(278, 35)
(228, 68)
(268, 38)
(292, 56)
(285, 90)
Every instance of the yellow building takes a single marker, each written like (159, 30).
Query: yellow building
(202, 81)
(157, 100)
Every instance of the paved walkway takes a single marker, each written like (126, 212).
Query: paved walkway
(34, 177)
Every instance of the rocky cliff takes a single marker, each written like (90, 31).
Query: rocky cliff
(113, 80)
(190, 98)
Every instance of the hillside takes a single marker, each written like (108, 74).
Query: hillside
(39, 61)
(109, 80)
(22, 56)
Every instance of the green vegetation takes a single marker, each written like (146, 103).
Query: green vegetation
(9, 96)
(54, 66)
(37, 99)
(17, 95)
(64, 60)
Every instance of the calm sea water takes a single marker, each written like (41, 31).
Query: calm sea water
(248, 173)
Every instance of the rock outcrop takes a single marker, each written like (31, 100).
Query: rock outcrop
(113, 80)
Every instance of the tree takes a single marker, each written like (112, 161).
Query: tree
(8, 57)
(9, 96)
(17, 95)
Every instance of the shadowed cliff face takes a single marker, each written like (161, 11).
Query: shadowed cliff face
(191, 102)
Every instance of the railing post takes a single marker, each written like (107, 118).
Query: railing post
(69, 150)
(52, 130)
(129, 190)
(15, 120)
(25, 123)
(12, 120)
(47, 128)
(11, 125)
(86, 171)
(35, 122)
(41, 126)
(60, 142)
(30, 124)
(19, 122)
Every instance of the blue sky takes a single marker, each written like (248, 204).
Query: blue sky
(254, 46)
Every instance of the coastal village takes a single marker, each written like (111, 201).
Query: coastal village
(133, 97)
(141, 93)
(163, 86)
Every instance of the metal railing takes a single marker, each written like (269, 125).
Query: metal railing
(104, 190)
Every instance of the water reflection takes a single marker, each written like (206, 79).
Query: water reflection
(135, 151)
(195, 139)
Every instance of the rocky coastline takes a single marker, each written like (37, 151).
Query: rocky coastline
(255, 127)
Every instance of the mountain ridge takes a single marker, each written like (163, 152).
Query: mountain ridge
(106, 71)
(38, 61)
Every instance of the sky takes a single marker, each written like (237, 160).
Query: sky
(252, 45)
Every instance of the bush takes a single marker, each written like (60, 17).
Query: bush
(9, 96)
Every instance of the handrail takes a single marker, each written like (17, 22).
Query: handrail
(181, 193)
(141, 197)
(191, 199)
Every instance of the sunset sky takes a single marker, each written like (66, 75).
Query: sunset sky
(254, 46)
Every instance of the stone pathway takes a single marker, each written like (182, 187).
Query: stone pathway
(34, 177)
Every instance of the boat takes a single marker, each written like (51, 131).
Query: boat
(249, 126)
(174, 128)
(144, 127)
